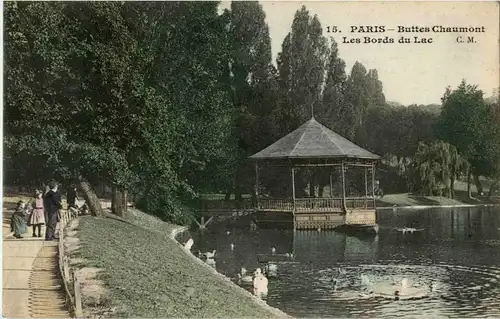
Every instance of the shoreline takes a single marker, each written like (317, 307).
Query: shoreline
(275, 311)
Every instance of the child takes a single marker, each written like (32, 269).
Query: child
(37, 218)
(18, 221)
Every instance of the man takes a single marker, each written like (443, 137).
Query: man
(71, 196)
(52, 203)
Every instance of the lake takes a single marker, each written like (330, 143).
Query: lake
(450, 268)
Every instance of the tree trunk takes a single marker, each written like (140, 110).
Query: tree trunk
(90, 198)
(479, 186)
(469, 190)
(452, 187)
(493, 187)
(125, 200)
(116, 201)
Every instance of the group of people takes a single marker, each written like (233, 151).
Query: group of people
(43, 209)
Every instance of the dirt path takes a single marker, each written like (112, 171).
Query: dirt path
(31, 285)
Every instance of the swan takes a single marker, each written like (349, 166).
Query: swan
(210, 255)
(189, 244)
(243, 276)
(273, 250)
(259, 283)
(272, 270)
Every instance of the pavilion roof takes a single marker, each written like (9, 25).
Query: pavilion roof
(313, 140)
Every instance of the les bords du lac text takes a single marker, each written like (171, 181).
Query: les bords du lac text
(405, 34)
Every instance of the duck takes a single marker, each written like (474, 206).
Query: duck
(396, 295)
(334, 282)
(243, 276)
(189, 244)
(210, 255)
(259, 282)
(341, 271)
(271, 270)
(410, 230)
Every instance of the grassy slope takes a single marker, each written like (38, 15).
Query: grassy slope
(461, 197)
(149, 275)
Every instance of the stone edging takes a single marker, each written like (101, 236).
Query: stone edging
(259, 302)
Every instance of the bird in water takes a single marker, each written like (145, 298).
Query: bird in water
(335, 284)
(271, 270)
(396, 295)
(231, 246)
(210, 255)
(289, 255)
(341, 271)
(242, 276)
(319, 229)
(410, 230)
(189, 244)
(228, 232)
(273, 250)
(259, 283)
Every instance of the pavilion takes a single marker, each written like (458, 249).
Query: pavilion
(313, 146)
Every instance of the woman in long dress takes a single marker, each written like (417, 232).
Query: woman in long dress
(18, 220)
(37, 218)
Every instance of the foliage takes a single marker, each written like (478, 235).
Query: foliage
(437, 165)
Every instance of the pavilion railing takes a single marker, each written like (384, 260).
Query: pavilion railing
(359, 202)
(316, 204)
(276, 204)
(221, 204)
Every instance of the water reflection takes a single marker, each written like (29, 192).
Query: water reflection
(450, 268)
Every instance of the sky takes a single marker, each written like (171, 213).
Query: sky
(415, 72)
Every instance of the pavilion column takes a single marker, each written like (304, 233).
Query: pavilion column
(343, 186)
(366, 187)
(293, 188)
(331, 184)
(257, 184)
(373, 184)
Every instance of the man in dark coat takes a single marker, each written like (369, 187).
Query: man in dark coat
(52, 203)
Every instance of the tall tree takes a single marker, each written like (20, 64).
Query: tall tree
(356, 98)
(254, 89)
(301, 67)
(466, 123)
(334, 112)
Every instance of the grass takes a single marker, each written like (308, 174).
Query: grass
(461, 197)
(148, 275)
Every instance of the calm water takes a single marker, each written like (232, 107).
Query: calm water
(452, 267)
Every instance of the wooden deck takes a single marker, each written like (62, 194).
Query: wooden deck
(302, 213)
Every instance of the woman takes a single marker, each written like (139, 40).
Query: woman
(18, 220)
(37, 218)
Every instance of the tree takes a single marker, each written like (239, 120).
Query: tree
(254, 88)
(334, 113)
(301, 68)
(466, 123)
(437, 164)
